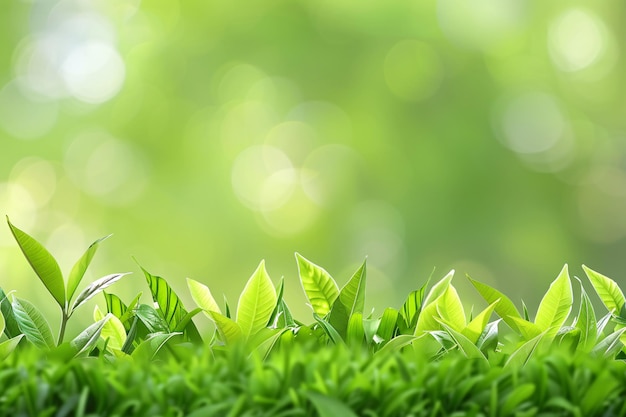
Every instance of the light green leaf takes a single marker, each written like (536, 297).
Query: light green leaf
(450, 308)
(526, 328)
(388, 324)
(2, 323)
(427, 320)
(475, 328)
(11, 329)
(229, 331)
(411, 309)
(351, 300)
(523, 354)
(519, 394)
(95, 288)
(8, 346)
(332, 333)
(320, 288)
(256, 303)
(610, 345)
(147, 350)
(32, 324)
(355, 335)
(78, 271)
(586, 320)
(87, 339)
(505, 308)
(42, 262)
(395, 345)
(608, 291)
(113, 330)
(202, 296)
(466, 346)
(439, 288)
(329, 407)
(556, 304)
(152, 319)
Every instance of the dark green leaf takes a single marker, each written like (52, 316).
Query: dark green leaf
(351, 300)
(12, 329)
(79, 269)
(32, 324)
(87, 339)
(330, 331)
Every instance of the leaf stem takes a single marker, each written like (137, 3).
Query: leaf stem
(64, 320)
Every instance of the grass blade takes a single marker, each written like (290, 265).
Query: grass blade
(78, 271)
(351, 300)
(42, 262)
(32, 324)
(256, 303)
(320, 288)
(556, 304)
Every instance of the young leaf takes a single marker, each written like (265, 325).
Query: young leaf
(113, 330)
(523, 354)
(8, 346)
(488, 339)
(355, 335)
(527, 329)
(42, 262)
(79, 269)
(505, 308)
(32, 324)
(320, 288)
(11, 329)
(466, 346)
(351, 300)
(94, 288)
(202, 296)
(520, 394)
(395, 345)
(610, 345)
(556, 304)
(608, 291)
(229, 331)
(168, 302)
(411, 309)
(149, 348)
(586, 320)
(439, 288)
(256, 303)
(332, 333)
(475, 328)
(387, 327)
(450, 308)
(87, 339)
(151, 318)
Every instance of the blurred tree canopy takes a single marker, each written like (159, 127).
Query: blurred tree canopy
(486, 136)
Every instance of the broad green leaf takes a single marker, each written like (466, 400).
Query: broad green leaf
(8, 346)
(519, 394)
(608, 291)
(556, 304)
(152, 319)
(427, 320)
(450, 308)
(351, 300)
(148, 349)
(355, 335)
(395, 345)
(229, 331)
(264, 341)
(11, 329)
(95, 287)
(332, 333)
(32, 324)
(505, 308)
(202, 296)
(466, 346)
(166, 299)
(411, 309)
(329, 407)
(488, 339)
(475, 328)
(610, 345)
(387, 326)
(523, 354)
(586, 320)
(42, 262)
(113, 330)
(527, 329)
(256, 303)
(87, 339)
(116, 307)
(438, 289)
(78, 271)
(320, 288)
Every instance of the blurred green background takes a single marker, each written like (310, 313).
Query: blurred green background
(486, 136)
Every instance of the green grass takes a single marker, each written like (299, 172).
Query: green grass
(428, 357)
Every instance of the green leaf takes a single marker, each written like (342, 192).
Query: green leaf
(147, 350)
(320, 288)
(395, 345)
(427, 320)
(475, 328)
(256, 303)
(113, 330)
(87, 339)
(439, 288)
(586, 320)
(351, 300)
(411, 309)
(32, 324)
(166, 299)
(355, 335)
(329, 407)
(556, 304)
(488, 339)
(523, 354)
(8, 346)
(527, 329)
(450, 308)
(2, 323)
(608, 291)
(387, 327)
(42, 262)
(152, 319)
(505, 308)
(332, 333)
(466, 346)
(202, 296)
(229, 331)
(610, 345)
(78, 271)
(11, 329)
(94, 288)
(519, 394)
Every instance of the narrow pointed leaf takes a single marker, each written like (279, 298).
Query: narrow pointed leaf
(586, 320)
(355, 335)
(329, 407)
(488, 339)
(607, 289)
(387, 327)
(87, 339)
(229, 331)
(527, 329)
(95, 287)
(395, 345)
(8, 346)
(148, 349)
(610, 345)
(450, 308)
(439, 288)
(351, 300)
(202, 296)
(523, 354)
(520, 394)
(78, 271)
(11, 328)
(169, 304)
(42, 262)
(475, 328)
(320, 288)
(256, 303)
(152, 319)
(466, 346)
(556, 304)
(412, 308)
(330, 331)
(32, 324)
(505, 308)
